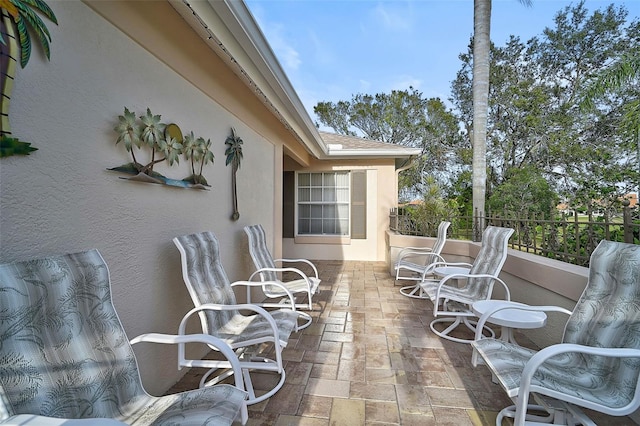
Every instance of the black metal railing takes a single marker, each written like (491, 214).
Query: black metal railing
(569, 238)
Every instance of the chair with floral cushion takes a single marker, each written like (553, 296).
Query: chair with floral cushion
(250, 335)
(300, 283)
(416, 263)
(452, 304)
(64, 354)
(597, 363)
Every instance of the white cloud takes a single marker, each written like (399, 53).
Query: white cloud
(388, 18)
(284, 51)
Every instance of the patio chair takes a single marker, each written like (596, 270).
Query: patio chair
(452, 304)
(268, 272)
(220, 315)
(415, 263)
(597, 363)
(64, 354)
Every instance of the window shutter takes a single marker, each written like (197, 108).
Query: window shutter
(288, 204)
(359, 204)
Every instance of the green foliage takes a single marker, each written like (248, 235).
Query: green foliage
(12, 146)
(433, 209)
(524, 192)
(536, 88)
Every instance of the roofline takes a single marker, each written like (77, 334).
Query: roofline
(245, 49)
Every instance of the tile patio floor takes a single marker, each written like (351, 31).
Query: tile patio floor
(370, 358)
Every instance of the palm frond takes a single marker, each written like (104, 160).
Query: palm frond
(33, 20)
(43, 8)
(25, 41)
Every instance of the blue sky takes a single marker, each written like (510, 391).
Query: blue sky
(333, 49)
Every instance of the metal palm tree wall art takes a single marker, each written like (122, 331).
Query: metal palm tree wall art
(234, 157)
(18, 17)
(165, 143)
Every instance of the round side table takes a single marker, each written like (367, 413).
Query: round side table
(509, 316)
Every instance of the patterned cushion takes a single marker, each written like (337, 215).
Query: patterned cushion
(208, 283)
(607, 315)
(262, 259)
(489, 261)
(65, 354)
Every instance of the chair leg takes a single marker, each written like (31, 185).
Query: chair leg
(411, 290)
(559, 413)
(455, 322)
(249, 364)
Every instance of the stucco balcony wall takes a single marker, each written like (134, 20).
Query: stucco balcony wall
(532, 279)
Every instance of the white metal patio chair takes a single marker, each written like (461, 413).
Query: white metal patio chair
(415, 263)
(268, 272)
(597, 364)
(452, 304)
(220, 315)
(64, 354)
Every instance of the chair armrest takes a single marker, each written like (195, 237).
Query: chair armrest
(207, 339)
(243, 306)
(297, 271)
(485, 317)
(315, 270)
(250, 284)
(444, 280)
(413, 251)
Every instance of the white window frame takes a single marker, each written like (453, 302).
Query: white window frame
(320, 200)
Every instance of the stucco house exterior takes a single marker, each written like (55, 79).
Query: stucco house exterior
(205, 66)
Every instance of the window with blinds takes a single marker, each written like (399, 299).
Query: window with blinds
(323, 203)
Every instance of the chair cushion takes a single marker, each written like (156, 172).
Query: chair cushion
(64, 352)
(570, 374)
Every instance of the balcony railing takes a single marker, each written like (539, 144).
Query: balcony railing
(569, 238)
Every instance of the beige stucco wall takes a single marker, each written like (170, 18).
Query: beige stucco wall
(381, 197)
(62, 199)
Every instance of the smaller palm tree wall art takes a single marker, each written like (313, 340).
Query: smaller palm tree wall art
(234, 157)
(19, 19)
(146, 136)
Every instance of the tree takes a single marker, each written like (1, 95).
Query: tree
(533, 119)
(480, 90)
(524, 192)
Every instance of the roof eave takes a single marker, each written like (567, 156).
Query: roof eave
(244, 47)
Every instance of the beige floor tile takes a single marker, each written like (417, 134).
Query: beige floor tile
(326, 387)
(347, 412)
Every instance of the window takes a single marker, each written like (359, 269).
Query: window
(323, 203)
(339, 204)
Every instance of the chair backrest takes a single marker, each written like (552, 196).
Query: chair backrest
(490, 259)
(205, 277)
(63, 350)
(608, 312)
(441, 239)
(260, 252)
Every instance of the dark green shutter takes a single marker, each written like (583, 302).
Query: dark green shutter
(359, 204)
(288, 204)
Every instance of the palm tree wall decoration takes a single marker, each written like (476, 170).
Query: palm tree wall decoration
(18, 16)
(234, 156)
